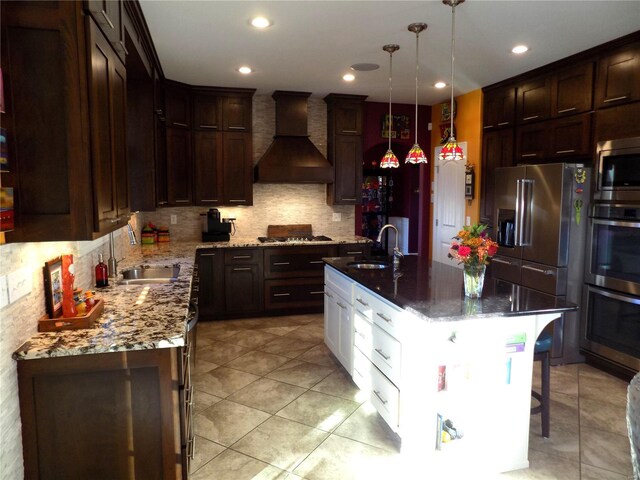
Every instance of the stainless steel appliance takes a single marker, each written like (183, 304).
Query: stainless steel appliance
(618, 176)
(292, 233)
(215, 229)
(540, 226)
(611, 318)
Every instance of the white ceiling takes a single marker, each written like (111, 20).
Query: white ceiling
(311, 44)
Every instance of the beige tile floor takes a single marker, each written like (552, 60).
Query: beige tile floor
(271, 402)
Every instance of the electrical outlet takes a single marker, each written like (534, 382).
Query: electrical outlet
(19, 283)
(468, 221)
(337, 217)
(4, 292)
(174, 219)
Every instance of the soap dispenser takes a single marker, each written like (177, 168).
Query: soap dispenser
(102, 274)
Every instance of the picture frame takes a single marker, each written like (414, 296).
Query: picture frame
(52, 271)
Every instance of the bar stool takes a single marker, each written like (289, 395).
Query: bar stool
(542, 353)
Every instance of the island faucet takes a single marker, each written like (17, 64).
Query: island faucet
(397, 254)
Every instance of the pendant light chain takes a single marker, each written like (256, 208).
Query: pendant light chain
(390, 88)
(416, 154)
(453, 44)
(417, 73)
(390, 160)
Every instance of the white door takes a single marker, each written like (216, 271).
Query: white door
(448, 206)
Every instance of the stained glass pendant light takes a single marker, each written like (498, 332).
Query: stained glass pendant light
(451, 150)
(416, 155)
(390, 160)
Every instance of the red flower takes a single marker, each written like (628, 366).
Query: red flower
(491, 251)
(464, 251)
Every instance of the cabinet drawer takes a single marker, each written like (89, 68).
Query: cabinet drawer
(293, 293)
(386, 353)
(342, 284)
(362, 371)
(241, 255)
(362, 334)
(547, 279)
(358, 250)
(296, 261)
(385, 396)
(505, 268)
(376, 309)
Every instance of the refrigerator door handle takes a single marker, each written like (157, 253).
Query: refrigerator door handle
(524, 212)
(517, 230)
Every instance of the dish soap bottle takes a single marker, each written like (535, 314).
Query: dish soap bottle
(102, 276)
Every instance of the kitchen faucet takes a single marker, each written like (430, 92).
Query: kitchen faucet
(397, 254)
(112, 263)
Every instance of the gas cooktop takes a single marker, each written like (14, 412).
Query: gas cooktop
(306, 238)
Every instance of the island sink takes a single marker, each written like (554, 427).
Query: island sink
(150, 274)
(368, 265)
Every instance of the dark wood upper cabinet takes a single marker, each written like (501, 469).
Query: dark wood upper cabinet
(572, 90)
(571, 136)
(108, 15)
(618, 78)
(344, 141)
(236, 113)
(613, 123)
(497, 151)
(348, 117)
(206, 112)
(208, 168)
(178, 105)
(162, 194)
(179, 167)
(237, 167)
(532, 143)
(499, 108)
(534, 100)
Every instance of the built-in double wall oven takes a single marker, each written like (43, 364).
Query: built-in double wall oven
(611, 304)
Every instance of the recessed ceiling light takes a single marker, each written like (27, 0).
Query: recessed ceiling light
(348, 77)
(518, 49)
(439, 84)
(364, 67)
(260, 22)
(245, 70)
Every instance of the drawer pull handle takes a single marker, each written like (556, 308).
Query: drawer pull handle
(236, 128)
(498, 260)
(360, 334)
(529, 155)
(281, 263)
(488, 126)
(356, 370)
(565, 151)
(349, 131)
(237, 201)
(241, 257)
(241, 269)
(565, 110)
(503, 123)
(106, 19)
(359, 300)
(615, 99)
(208, 254)
(214, 127)
(539, 270)
(381, 353)
(281, 294)
(359, 252)
(316, 261)
(377, 394)
(183, 201)
(319, 292)
(341, 305)
(384, 317)
(530, 118)
(179, 124)
(328, 294)
(349, 199)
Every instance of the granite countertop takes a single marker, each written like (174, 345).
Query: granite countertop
(140, 317)
(435, 292)
(254, 242)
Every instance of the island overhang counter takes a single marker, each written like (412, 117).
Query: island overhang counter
(450, 375)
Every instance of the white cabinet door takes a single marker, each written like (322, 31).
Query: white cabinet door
(331, 320)
(345, 343)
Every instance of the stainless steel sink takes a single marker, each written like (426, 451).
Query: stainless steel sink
(150, 274)
(368, 265)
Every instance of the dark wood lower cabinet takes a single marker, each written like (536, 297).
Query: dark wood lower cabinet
(111, 415)
(243, 289)
(293, 293)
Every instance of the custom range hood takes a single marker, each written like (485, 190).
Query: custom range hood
(292, 157)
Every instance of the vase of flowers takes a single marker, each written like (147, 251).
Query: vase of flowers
(473, 248)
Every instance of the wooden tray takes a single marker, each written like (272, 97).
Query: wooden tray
(46, 324)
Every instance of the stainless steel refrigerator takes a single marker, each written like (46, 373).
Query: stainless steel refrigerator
(541, 220)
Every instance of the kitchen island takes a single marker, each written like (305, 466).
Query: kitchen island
(451, 375)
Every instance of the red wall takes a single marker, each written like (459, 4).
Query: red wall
(406, 191)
